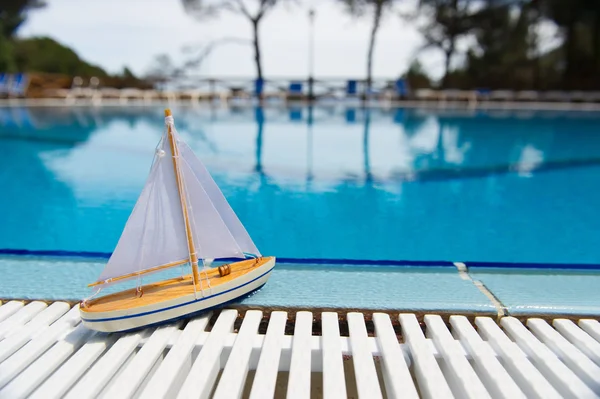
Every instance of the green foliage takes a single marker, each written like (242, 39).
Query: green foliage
(506, 52)
(361, 8)
(127, 74)
(447, 22)
(43, 54)
(504, 44)
(13, 14)
(416, 76)
(40, 54)
(579, 21)
(7, 62)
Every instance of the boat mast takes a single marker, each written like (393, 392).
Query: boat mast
(188, 229)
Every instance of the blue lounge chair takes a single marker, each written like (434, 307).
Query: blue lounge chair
(401, 87)
(352, 88)
(259, 85)
(295, 89)
(4, 83)
(18, 85)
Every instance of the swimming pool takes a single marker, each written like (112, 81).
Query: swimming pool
(326, 182)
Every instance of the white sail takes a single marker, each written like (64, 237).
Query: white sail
(236, 228)
(211, 236)
(155, 232)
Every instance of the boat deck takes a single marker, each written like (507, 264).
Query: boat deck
(45, 352)
(171, 288)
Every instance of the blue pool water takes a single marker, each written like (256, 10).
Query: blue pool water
(330, 183)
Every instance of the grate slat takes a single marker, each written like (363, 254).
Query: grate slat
(46, 352)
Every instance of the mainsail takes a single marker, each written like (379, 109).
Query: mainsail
(155, 233)
(236, 228)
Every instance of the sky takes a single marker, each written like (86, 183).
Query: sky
(119, 33)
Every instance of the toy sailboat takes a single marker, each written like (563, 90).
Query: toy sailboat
(181, 217)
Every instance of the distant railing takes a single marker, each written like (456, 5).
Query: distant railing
(226, 89)
(288, 87)
(293, 88)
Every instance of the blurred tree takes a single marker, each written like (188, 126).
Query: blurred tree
(7, 59)
(565, 15)
(202, 9)
(194, 55)
(416, 76)
(162, 70)
(127, 74)
(362, 8)
(446, 22)
(593, 14)
(506, 44)
(127, 79)
(43, 54)
(579, 22)
(13, 13)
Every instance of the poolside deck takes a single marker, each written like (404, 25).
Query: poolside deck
(45, 352)
(438, 105)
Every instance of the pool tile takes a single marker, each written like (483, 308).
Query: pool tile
(370, 287)
(543, 292)
(383, 288)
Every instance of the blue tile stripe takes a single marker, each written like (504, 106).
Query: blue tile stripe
(326, 261)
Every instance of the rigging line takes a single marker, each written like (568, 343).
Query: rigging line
(85, 300)
(155, 157)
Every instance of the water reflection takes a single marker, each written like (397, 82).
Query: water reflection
(327, 144)
(309, 144)
(260, 122)
(423, 184)
(367, 129)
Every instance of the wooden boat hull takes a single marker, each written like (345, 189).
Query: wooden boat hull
(122, 311)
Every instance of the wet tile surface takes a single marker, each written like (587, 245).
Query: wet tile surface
(413, 288)
(318, 286)
(543, 291)
(370, 287)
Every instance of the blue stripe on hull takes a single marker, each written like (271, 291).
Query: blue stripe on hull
(190, 315)
(180, 305)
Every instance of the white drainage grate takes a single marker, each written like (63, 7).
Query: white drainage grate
(46, 353)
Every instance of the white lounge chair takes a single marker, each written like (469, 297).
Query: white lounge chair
(426, 94)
